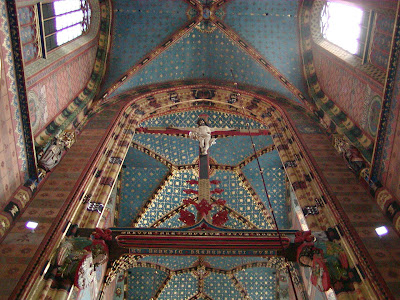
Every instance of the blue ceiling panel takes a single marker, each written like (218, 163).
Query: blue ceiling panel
(172, 262)
(130, 41)
(275, 179)
(178, 291)
(178, 150)
(205, 55)
(233, 150)
(220, 286)
(140, 179)
(169, 198)
(144, 282)
(239, 199)
(233, 223)
(189, 119)
(259, 282)
(228, 263)
(274, 36)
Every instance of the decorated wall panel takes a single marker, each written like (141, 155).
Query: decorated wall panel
(389, 162)
(13, 163)
(382, 40)
(352, 92)
(54, 91)
(11, 176)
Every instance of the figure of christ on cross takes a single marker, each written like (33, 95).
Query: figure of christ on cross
(206, 136)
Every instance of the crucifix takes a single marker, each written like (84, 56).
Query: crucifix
(206, 136)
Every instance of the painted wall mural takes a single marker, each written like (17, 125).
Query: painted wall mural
(390, 161)
(13, 165)
(382, 39)
(360, 99)
(54, 92)
(11, 176)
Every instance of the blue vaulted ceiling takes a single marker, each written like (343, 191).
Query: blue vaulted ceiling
(150, 191)
(248, 18)
(205, 55)
(140, 28)
(213, 278)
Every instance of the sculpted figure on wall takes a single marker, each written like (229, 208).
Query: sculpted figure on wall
(325, 254)
(351, 154)
(52, 156)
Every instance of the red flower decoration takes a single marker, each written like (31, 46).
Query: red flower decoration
(190, 191)
(217, 191)
(187, 217)
(192, 181)
(102, 234)
(220, 218)
(215, 181)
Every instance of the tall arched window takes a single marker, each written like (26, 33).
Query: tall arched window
(63, 21)
(347, 27)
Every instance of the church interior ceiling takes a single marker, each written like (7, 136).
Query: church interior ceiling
(152, 184)
(158, 45)
(176, 46)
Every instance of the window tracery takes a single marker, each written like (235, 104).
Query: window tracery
(62, 21)
(46, 26)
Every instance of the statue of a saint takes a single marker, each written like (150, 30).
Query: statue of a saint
(51, 157)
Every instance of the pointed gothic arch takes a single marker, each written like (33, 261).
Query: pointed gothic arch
(267, 111)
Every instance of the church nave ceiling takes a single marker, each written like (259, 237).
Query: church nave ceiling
(158, 45)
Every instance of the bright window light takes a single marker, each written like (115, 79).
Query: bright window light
(31, 225)
(381, 230)
(341, 25)
(69, 18)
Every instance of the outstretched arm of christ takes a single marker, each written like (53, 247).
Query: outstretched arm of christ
(204, 133)
(215, 131)
(238, 131)
(164, 130)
